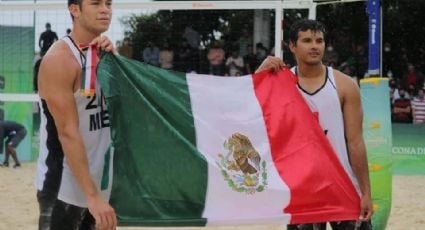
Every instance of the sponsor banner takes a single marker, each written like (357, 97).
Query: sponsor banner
(17, 52)
(408, 149)
(378, 138)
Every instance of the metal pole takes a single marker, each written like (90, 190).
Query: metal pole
(278, 51)
(381, 71)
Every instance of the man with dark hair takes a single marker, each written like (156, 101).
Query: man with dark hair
(418, 107)
(74, 165)
(14, 133)
(335, 97)
(250, 60)
(47, 38)
(402, 109)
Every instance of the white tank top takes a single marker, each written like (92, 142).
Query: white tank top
(53, 172)
(326, 104)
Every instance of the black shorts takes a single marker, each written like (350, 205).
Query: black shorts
(14, 139)
(58, 215)
(339, 225)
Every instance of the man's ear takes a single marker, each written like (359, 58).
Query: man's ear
(74, 9)
(292, 46)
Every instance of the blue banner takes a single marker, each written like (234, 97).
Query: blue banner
(374, 12)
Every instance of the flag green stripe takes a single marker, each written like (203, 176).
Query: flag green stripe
(148, 187)
(105, 175)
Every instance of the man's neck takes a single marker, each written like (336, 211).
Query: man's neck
(310, 71)
(82, 36)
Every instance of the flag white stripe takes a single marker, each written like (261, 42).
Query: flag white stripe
(88, 69)
(217, 115)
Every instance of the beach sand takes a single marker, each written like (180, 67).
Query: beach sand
(19, 208)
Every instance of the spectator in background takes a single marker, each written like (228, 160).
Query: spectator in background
(331, 56)
(166, 57)
(349, 70)
(418, 108)
(361, 61)
(244, 41)
(47, 38)
(260, 52)
(420, 77)
(399, 67)
(250, 60)
(192, 37)
(184, 58)
(216, 59)
(402, 111)
(388, 59)
(125, 49)
(411, 74)
(421, 67)
(393, 91)
(411, 91)
(288, 58)
(14, 133)
(234, 64)
(37, 62)
(151, 54)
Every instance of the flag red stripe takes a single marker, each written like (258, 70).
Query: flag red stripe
(320, 188)
(93, 66)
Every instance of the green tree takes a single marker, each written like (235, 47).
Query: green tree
(347, 25)
(167, 25)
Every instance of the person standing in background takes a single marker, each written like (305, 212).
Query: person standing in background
(47, 38)
(14, 133)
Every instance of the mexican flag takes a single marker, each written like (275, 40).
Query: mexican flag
(200, 150)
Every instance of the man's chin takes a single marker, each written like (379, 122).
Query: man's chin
(313, 63)
(102, 29)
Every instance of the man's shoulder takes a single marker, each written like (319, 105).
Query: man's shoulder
(58, 52)
(418, 101)
(344, 78)
(50, 32)
(346, 86)
(59, 71)
(339, 74)
(59, 58)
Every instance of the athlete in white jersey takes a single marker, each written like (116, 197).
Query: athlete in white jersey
(335, 98)
(325, 104)
(74, 166)
(94, 128)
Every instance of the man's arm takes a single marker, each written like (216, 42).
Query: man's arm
(413, 111)
(56, 81)
(353, 121)
(406, 110)
(239, 64)
(40, 40)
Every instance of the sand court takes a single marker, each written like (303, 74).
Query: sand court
(19, 207)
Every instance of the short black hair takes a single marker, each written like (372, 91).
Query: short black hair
(304, 25)
(76, 2)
